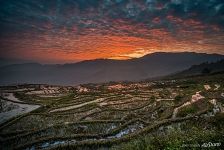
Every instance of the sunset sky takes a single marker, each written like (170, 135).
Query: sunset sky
(59, 31)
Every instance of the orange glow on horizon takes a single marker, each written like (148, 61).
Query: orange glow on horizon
(66, 46)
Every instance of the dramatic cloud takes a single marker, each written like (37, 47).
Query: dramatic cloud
(71, 30)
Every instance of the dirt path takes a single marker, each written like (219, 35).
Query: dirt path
(165, 99)
(79, 105)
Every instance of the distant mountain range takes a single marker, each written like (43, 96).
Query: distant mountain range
(104, 70)
(5, 62)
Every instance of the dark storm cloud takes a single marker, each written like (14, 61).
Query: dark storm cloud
(26, 14)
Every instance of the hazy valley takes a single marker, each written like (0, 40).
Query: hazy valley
(104, 70)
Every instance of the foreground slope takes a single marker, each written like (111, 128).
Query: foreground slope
(162, 114)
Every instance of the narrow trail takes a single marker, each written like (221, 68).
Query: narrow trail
(77, 106)
(165, 99)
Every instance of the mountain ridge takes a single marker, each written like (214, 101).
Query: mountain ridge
(104, 70)
(204, 68)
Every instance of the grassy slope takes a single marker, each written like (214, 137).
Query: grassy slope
(197, 133)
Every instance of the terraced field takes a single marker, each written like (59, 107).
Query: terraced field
(113, 115)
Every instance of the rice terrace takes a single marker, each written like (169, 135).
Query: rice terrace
(116, 115)
(111, 74)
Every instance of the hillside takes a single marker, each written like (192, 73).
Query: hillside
(151, 115)
(203, 69)
(104, 70)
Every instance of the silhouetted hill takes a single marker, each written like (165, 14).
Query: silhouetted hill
(104, 70)
(5, 61)
(203, 69)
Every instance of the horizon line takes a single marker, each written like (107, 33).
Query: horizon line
(131, 58)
